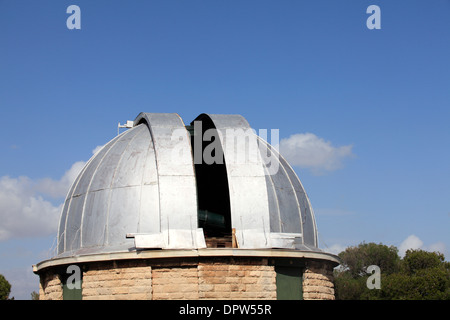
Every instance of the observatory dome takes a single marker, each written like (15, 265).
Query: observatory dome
(155, 186)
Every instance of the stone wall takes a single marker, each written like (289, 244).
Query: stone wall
(239, 280)
(318, 282)
(175, 283)
(124, 280)
(50, 287)
(213, 278)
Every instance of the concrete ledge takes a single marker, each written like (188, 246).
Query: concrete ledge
(212, 252)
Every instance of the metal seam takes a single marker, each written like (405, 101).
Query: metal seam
(106, 238)
(272, 186)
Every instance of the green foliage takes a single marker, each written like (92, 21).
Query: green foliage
(5, 288)
(428, 284)
(357, 259)
(417, 260)
(34, 295)
(420, 275)
(348, 287)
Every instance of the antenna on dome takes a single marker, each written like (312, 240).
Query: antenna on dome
(129, 124)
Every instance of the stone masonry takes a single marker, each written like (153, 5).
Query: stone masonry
(240, 280)
(318, 282)
(214, 278)
(50, 287)
(125, 280)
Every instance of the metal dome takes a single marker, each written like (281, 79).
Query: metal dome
(145, 189)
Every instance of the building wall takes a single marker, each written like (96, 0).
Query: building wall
(124, 280)
(212, 278)
(318, 282)
(175, 283)
(50, 287)
(240, 279)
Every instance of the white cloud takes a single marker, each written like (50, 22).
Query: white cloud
(310, 151)
(438, 246)
(23, 212)
(23, 281)
(335, 248)
(413, 242)
(25, 208)
(97, 149)
(59, 188)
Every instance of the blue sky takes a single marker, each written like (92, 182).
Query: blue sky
(371, 106)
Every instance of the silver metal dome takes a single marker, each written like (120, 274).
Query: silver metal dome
(146, 189)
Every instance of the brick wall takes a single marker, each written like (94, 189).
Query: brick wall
(175, 283)
(125, 280)
(50, 287)
(239, 280)
(212, 278)
(318, 282)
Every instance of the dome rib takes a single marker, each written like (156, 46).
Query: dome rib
(286, 177)
(310, 239)
(89, 192)
(106, 239)
(150, 151)
(87, 177)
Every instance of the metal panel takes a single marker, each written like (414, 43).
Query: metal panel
(160, 240)
(123, 215)
(274, 210)
(285, 240)
(71, 216)
(288, 211)
(307, 214)
(130, 169)
(246, 179)
(73, 223)
(176, 177)
(65, 212)
(95, 208)
(95, 218)
(302, 219)
(149, 219)
(99, 177)
(106, 173)
(287, 202)
(122, 170)
(62, 225)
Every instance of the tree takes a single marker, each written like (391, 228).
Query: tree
(417, 260)
(419, 275)
(34, 295)
(348, 287)
(5, 288)
(357, 259)
(423, 276)
(351, 276)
